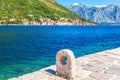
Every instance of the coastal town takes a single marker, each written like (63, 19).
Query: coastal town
(61, 21)
(44, 21)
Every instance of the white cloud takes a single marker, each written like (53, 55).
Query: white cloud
(99, 6)
(75, 4)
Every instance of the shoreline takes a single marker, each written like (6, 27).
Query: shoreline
(98, 66)
(41, 25)
(95, 25)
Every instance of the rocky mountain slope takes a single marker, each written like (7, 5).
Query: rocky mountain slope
(35, 12)
(105, 14)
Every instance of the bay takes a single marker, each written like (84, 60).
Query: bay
(25, 49)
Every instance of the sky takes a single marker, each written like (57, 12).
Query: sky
(89, 2)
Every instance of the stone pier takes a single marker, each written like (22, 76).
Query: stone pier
(99, 66)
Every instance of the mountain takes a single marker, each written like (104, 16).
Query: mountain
(102, 14)
(35, 12)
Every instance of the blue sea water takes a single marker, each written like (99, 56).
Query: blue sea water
(25, 49)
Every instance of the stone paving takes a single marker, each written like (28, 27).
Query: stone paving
(99, 66)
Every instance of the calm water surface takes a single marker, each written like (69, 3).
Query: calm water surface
(25, 49)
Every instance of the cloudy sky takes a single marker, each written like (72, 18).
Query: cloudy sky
(89, 2)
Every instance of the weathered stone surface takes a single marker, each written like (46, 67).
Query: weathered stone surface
(101, 76)
(100, 66)
(114, 69)
(89, 78)
(116, 77)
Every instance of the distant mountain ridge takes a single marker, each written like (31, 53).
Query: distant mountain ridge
(45, 12)
(108, 14)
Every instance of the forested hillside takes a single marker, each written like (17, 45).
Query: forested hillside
(13, 11)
